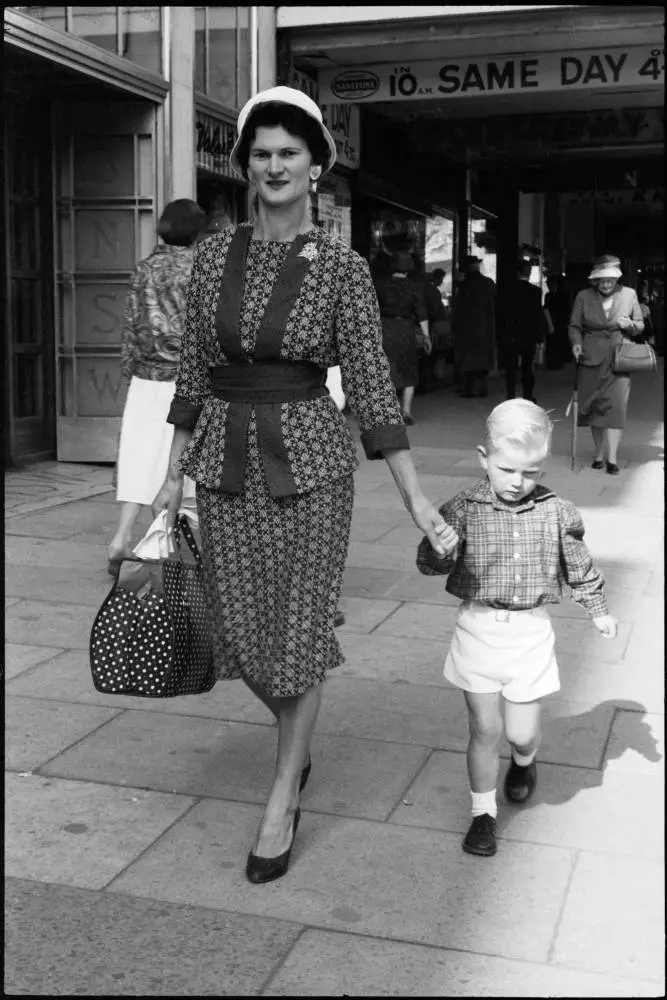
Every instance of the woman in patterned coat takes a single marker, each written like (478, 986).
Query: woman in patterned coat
(271, 305)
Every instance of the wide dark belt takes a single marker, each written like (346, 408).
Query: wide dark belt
(263, 387)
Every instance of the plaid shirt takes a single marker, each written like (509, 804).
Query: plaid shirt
(516, 557)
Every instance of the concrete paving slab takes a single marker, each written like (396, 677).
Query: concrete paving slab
(38, 623)
(195, 757)
(361, 581)
(613, 683)
(369, 525)
(381, 556)
(19, 658)
(326, 964)
(37, 730)
(65, 521)
(60, 585)
(23, 551)
(410, 661)
(637, 744)
(420, 589)
(102, 944)
(572, 807)
(614, 924)
(67, 678)
(81, 834)
(377, 879)
(363, 614)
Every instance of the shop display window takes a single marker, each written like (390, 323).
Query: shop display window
(334, 207)
(222, 64)
(395, 229)
(134, 33)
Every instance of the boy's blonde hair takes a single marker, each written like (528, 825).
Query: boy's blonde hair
(519, 424)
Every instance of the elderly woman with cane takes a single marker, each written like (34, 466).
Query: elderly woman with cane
(271, 306)
(601, 316)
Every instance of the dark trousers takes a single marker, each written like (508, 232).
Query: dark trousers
(515, 355)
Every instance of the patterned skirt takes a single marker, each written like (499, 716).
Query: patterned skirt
(273, 569)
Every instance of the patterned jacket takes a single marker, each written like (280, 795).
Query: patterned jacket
(519, 556)
(155, 315)
(323, 310)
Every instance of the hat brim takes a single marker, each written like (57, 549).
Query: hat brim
(605, 272)
(326, 167)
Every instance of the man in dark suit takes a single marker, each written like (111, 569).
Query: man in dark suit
(523, 327)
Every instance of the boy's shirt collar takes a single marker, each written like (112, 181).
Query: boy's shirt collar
(483, 493)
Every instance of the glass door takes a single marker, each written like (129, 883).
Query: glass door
(106, 179)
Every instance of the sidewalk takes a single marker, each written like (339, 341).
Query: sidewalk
(129, 820)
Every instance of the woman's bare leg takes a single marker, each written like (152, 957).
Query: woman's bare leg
(407, 396)
(120, 542)
(614, 435)
(296, 722)
(600, 442)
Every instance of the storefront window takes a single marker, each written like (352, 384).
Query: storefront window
(482, 243)
(440, 250)
(395, 230)
(132, 32)
(98, 25)
(141, 36)
(222, 65)
(55, 17)
(334, 207)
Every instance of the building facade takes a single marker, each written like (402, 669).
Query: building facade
(110, 113)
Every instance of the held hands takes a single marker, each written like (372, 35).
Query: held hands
(442, 537)
(607, 626)
(577, 351)
(625, 323)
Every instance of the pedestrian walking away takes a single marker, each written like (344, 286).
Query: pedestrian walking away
(523, 327)
(515, 546)
(474, 328)
(272, 305)
(601, 317)
(403, 312)
(151, 345)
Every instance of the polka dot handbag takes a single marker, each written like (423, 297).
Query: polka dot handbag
(151, 637)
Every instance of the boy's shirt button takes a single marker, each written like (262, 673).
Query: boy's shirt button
(515, 599)
(516, 534)
(517, 555)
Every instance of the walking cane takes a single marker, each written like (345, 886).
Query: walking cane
(573, 408)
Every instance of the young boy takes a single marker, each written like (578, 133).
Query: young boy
(510, 547)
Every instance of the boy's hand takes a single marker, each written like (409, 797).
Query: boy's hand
(448, 540)
(607, 625)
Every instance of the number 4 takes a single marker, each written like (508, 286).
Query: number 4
(651, 67)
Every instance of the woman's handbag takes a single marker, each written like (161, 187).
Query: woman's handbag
(150, 638)
(632, 356)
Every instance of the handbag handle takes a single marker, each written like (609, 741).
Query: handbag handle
(182, 527)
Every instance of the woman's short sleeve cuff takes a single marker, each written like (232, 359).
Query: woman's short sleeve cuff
(183, 413)
(384, 438)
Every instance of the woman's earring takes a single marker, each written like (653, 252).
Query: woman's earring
(313, 185)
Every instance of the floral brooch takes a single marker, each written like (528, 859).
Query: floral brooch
(309, 252)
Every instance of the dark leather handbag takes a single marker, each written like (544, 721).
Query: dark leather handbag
(631, 356)
(150, 638)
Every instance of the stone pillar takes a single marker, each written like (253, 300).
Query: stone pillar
(181, 172)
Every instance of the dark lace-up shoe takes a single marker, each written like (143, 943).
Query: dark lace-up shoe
(520, 782)
(481, 837)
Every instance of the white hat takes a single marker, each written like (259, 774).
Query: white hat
(606, 267)
(282, 95)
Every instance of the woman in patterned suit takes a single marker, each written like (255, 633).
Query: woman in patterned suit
(271, 305)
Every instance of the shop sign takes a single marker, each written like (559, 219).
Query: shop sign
(214, 143)
(541, 72)
(342, 120)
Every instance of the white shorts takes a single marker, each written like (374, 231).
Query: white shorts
(512, 652)
(145, 443)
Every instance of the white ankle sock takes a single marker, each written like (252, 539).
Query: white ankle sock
(484, 802)
(524, 761)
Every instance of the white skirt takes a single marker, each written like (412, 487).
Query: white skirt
(511, 652)
(145, 442)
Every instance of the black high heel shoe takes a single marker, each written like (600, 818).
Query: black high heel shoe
(305, 774)
(260, 870)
